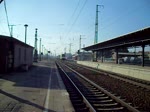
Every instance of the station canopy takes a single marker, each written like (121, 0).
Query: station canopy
(137, 38)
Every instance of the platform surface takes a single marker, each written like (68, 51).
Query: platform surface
(41, 89)
(138, 72)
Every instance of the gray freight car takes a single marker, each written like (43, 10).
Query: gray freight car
(14, 54)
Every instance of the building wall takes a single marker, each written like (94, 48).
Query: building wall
(3, 51)
(22, 55)
(13, 54)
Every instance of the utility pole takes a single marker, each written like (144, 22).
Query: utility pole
(80, 42)
(55, 53)
(96, 24)
(35, 47)
(70, 47)
(65, 50)
(11, 30)
(40, 50)
(25, 32)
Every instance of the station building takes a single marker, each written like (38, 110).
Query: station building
(14, 54)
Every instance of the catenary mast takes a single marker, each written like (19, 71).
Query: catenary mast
(96, 26)
(35, 47)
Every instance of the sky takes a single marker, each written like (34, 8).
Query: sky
(61, 22)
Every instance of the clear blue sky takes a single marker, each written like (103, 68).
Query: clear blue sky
(58, 22)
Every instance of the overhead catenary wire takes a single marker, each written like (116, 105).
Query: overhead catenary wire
(74, 11)
(77, 17)
(7, 16)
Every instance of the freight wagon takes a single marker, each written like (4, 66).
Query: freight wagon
(14, 54)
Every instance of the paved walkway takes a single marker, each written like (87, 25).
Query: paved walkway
(39, 90)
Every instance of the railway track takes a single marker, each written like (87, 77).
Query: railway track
(135, 91)
(87, 96)
(134, 81)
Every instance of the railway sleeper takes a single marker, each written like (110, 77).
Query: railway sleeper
(73, 96)
(117, 109)
(104, 105)
(82, 110)
(95, 90)
(97, 98)
(79, 105)
(82, 87)
(95, 95)
(99, 92)
(79, 101)
(85, 90)
(92, 88)
(70, 88)
(76, 98)
(102, 102)
(73, 92)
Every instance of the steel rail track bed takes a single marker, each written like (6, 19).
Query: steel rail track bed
(87, 96)
(134, 81)
(138, 93)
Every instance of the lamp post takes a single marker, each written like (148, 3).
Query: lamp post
(11, 30)
(80, 41)
(40, 50)
(80, 56)
(25, 32)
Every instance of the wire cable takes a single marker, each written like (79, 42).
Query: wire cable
(77, 17)
(7, 15)
(75, 11)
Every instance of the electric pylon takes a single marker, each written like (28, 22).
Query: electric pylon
(96, 26)
(35, 47)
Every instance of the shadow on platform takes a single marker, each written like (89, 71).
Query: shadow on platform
(24, 101)
(36, 77)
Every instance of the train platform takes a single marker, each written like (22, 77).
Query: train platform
(138, 72)
(40, 89)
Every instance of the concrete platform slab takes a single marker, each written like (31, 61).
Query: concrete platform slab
(128, 70)
(38, 90)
